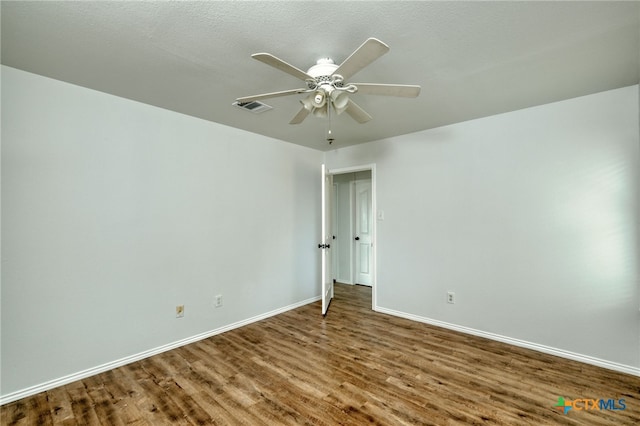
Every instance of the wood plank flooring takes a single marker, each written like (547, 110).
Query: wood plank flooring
(352, 367)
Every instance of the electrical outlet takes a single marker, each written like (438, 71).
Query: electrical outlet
(451, 297)
(179, 311)
(218, 301)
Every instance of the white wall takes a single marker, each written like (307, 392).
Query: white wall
(114, 212)
(531, 218)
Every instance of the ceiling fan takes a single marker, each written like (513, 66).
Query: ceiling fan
(327, 86)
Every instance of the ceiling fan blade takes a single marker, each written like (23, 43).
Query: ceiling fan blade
(401, 90)
(357, 113)
(270, 95)
(300, 116)
(278, 63)
(368, 52)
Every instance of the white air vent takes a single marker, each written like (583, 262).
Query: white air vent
(253, 106)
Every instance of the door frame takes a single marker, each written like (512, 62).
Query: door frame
(374, 214)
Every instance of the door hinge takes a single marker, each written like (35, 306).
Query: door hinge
(324, 246)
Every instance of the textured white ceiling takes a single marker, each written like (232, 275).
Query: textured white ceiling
(472, 59)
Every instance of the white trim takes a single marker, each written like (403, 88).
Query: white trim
(33, 390)
(516, 342)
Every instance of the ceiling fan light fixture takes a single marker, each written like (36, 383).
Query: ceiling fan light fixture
(319, 99)
(321, 112)
(339, 100)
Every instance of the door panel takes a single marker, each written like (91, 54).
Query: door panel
(363, 237)
(326, 240)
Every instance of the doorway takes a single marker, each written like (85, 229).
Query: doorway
(353, 226)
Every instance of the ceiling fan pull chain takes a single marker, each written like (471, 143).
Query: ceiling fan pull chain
(330, 137)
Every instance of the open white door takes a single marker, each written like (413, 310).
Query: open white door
(325, 244)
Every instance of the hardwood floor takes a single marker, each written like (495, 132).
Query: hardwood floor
(352, 367)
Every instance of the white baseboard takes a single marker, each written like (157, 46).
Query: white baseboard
(516, 342)
(33, 390)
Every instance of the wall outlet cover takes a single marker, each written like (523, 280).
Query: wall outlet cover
(451, 297)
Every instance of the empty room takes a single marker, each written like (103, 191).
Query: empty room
(320, 212)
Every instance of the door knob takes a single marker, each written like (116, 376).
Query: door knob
(357, 238)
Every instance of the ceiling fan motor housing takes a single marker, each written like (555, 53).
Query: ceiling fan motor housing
(323, 67)
(325, 84)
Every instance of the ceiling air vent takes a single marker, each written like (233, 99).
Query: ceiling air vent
(253, 106)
